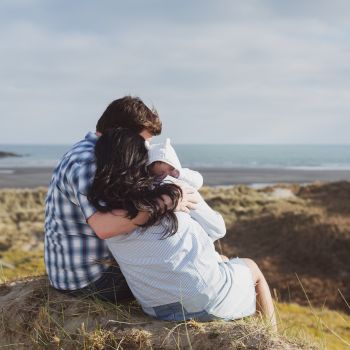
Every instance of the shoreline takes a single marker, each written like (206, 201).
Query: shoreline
(270, 176)
(31, 177)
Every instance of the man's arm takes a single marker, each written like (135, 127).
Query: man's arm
(107, 225)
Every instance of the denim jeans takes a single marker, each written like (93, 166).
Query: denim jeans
(111, 286)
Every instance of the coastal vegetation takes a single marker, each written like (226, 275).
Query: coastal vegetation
(299, 235)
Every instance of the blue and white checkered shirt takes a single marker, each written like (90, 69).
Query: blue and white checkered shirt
(73, 252)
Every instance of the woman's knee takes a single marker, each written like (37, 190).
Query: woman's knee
(250, 263)
(253, 268)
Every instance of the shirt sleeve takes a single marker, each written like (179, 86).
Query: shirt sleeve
(211, 221)
(81, 180)
(193, 178)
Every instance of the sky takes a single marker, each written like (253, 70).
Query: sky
(223, 71)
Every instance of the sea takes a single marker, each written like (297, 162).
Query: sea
(303, 157)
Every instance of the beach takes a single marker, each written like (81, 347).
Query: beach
(31, 177)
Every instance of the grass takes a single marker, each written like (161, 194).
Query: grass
(42, 318)
(330, 329)
(89, 326)
(16, 263)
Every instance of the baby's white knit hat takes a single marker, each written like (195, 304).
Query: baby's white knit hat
(163, 152)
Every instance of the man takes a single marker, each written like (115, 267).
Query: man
(76, 255)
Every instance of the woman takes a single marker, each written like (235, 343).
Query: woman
(171, 264)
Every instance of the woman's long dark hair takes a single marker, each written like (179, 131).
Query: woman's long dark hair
(122, 180)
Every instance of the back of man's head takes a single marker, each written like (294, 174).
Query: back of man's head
(130, 112)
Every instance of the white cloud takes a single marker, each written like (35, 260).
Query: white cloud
(250, 74)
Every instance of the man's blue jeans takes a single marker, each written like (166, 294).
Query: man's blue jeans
(111, 286)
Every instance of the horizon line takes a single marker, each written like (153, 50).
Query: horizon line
(194, 144)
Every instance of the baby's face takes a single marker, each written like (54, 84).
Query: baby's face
(162, 170)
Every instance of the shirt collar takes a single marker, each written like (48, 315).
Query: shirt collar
(91, 136)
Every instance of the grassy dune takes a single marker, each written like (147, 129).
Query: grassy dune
(298, 235)
(21, 233)
(36, 316)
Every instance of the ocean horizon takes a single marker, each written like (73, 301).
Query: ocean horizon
(224, 156)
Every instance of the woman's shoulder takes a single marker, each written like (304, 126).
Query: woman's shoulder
(157, 232)
(160, 231)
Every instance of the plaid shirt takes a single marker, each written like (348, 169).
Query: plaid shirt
(73, 252)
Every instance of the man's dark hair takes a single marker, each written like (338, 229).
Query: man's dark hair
(130, 112)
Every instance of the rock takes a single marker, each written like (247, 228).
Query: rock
(9, 154)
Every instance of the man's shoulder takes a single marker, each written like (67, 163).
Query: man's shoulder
(80, 158)
(83, 151)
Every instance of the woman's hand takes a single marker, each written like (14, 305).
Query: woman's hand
(189, 198)
(187, 202)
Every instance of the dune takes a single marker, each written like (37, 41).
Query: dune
(299, 235)
(301, 240)
(36, 316)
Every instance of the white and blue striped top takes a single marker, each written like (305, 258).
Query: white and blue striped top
(181, 268)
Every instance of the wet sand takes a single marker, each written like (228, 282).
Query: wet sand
(34, 177)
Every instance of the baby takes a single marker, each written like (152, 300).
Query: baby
(163, 162)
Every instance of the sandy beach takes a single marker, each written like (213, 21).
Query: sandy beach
(33, 177)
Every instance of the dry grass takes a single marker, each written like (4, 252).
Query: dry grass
(307, 234)
(21, 233)
(38, 317)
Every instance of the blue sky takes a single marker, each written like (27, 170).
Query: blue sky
(220, 71)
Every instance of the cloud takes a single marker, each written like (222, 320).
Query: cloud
(237, 71)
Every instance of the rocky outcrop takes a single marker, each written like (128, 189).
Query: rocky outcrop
(9, 154)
